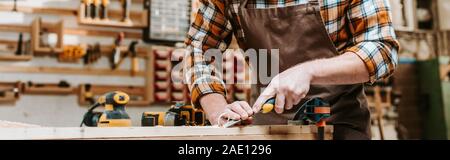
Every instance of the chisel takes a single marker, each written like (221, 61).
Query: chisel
(266, 108)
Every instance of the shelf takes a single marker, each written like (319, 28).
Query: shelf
(15, 58)
(67, 70)
(41, 10)
(138, 24)
(131, 90)
(72, 31)
(106, 50)
(8, 97)
(50, 90)
(111, 23)
(36, 28)
(100, 33)
(63, 12)
(97, 90)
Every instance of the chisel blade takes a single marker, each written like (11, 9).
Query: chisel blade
(231, 123)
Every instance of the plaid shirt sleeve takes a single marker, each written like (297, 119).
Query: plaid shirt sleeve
(210, 30)
(374, 39)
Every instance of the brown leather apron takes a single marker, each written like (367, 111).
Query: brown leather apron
(300, 35)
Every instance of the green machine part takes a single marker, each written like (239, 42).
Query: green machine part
(435, 100)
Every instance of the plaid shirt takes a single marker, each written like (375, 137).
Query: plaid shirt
(363, 27)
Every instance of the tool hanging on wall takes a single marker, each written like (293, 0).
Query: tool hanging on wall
(92, 55)
(93, 9)
(116, 55)
(15, 6)
(61, 84)
(97, 4)
(104, 10)
(134, 60)
(72, 53)
(19, 45)
(87, 8)
(114, 114)
(179, 114)
(126, 6)
(132, 53)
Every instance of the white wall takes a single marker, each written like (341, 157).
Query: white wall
(59, 110)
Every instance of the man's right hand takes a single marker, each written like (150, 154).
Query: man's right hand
(215, 105)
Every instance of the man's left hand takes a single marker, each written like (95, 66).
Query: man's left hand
(289, 88)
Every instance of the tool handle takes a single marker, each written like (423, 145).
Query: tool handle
(268, 105)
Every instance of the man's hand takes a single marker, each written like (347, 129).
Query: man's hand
(215, 105)
(292, 85)
(289, 87)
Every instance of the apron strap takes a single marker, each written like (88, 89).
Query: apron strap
(227, 11)
(314, 5)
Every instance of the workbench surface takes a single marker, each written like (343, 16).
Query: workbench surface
(269, 132)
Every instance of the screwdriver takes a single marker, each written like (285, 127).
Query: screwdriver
(266, 108)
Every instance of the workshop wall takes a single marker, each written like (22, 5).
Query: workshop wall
(60, 110)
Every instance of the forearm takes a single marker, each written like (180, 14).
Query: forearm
(347, 68)
(213, 104)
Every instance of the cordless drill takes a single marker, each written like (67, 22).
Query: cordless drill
(114, 114)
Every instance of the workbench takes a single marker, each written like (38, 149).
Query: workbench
(269, 132)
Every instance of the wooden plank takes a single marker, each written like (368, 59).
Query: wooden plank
(67, 70)
(304, 136)
(8, 124)
(117, 24)
(132, 90)
(50, 89)
(150, 78)
(64, 11)
(15, 57)
(72, 31)
(15, 28)
(140, 23)
(86, 32)
(107, 50)
(8, 42)
(40, 10)
(173, 133)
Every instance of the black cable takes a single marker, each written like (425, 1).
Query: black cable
(89, 111)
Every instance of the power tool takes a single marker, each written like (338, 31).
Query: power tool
(114, 114)
(153, 118)
(315, 111)
(179, 114)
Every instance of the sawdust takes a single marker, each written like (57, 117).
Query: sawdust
(8, 124)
